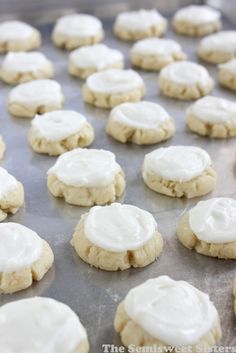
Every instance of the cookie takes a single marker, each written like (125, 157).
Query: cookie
(185, 80)
(25, 66)
(209, 228)
(154, 53)
(11, 194)
(227, 74)
(35, 97)
(135, 25)
(161, 315)
(60, 131)
(141, 123)
(2, 147)
(179, 171)
(117, 237)
(212, 116)
(98, 57)
(218, 48)
(109, 88)
(86, 177)
(41, 325)
(24, 257)
(77, 30)
(197, 21)
(18, 36)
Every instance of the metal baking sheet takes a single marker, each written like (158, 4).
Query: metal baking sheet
(92, 293)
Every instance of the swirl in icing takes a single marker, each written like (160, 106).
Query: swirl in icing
(197, 14)
(58, 125)
(15, 30)
(119, 227)
(213, 110)
(176, 163)
(20, 247)
(224, 41)
(78, 25)
(24, 61)
(7, 182)
(86, 168)
(185, 73)
(139, 20)
(99, 56)
(214, 220)
(46, 325)
(37, 92)
(229, 66)
(156, 46)
(114, 81)
(173, 312)
(144, 115)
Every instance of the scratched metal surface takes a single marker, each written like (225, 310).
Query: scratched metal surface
(92, 293)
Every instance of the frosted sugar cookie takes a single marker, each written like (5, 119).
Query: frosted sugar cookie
(197, 21)
(117, 237)
(139, 24)
(86, 177)
(179, 171)
(2, 147)
(18, 36)
(11, 194)
(98, 57)
(59, 131)
(212, 116)
(109, 88)
(227, 74)
(218, 48)
(185, 80)
(77, 30)
(24, 257)
(46, 325)
(155, 53)
(35, 97)
(163, 313)
(210, 228)
(25, 66)
(141, 123)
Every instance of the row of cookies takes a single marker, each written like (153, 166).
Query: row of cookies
(72, 31)
(159, 314)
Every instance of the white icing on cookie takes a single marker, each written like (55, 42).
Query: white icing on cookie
(213, 110)
(97, 56)
(139, 20)
(197, 15)
(224, 41)
(214, 220)
(119, 227)
(114, 81)
(37, 92)
(144, 115)
(185, 73)
(20, 247)
(176, 163)
(58, 125)
(229, 66)
(173, 312)
(24, 61)
(156, 46)
(7, 182)
(15, 30)
(78, 25)
(39, 325)
(86, 168)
